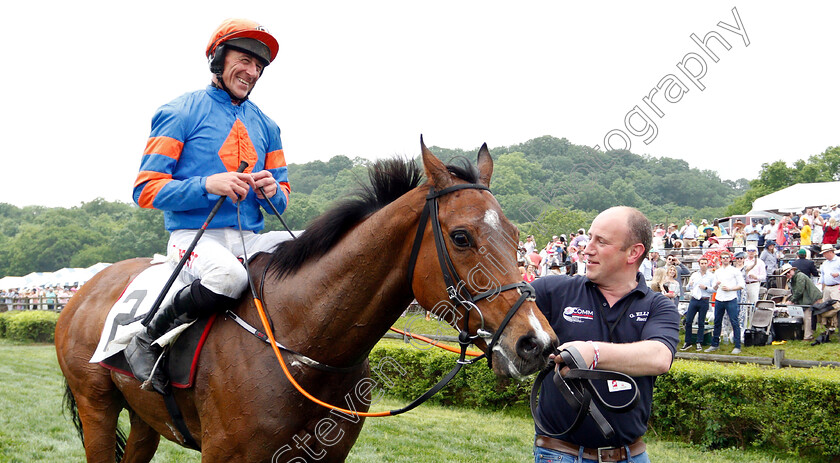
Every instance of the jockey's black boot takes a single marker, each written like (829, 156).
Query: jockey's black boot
(187, 305)
(140, 352)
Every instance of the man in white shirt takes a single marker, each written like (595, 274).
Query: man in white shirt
(752, 231)
(646, 268)
(688, 231)
(700, 285)
(770, 232)
(728, 280)
(530, 244)
(830, 273)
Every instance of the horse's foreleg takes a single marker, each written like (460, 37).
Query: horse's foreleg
(142, 441)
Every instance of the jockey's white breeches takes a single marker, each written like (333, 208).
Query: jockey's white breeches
(215, 258)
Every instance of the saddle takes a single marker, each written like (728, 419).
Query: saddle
(180, 359)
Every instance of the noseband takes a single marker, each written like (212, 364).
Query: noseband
(455, 286)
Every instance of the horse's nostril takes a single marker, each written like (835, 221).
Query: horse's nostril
(527, 347)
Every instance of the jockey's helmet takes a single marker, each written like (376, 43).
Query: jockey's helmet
(244, 35)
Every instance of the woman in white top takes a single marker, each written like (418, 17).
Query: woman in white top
(817, 223)
(671, 284)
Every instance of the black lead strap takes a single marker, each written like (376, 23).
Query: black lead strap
(577, 388)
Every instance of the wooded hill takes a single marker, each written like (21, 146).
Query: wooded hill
(545, 185)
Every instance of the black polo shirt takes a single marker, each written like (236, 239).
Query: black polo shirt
(577, 311)
(808, 267)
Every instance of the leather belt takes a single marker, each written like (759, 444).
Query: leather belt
(600, 454)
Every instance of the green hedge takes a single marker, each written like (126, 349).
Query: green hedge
(715, 405)
(30, 325)
(474, 386)
(792, 409)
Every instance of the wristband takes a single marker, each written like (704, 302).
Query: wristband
(597, 355)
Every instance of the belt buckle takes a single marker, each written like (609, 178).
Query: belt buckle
(600, 459)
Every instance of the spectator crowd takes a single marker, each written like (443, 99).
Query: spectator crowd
(40, 298)
(728, 263)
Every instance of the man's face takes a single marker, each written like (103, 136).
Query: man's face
(829, 255)
(241, 73)
(605, 253)
(704, 264)
(687, 221)
(673, 260)
(751, 254)
(725, 259)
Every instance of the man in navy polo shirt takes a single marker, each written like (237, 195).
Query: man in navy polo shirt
(617, 323)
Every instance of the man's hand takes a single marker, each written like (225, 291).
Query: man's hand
(263, 179)
(587, 351)
(234, 185)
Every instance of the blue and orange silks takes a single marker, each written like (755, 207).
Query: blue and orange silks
(200, 134)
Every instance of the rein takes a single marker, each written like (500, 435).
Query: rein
(455, 288)
(577, 388)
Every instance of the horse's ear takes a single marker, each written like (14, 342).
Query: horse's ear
(435, 170)
(485, 166)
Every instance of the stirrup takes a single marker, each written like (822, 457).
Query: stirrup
(157, 380)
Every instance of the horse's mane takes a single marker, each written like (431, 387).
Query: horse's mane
(389, 179)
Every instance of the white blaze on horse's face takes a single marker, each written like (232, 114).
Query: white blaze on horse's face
(542, 336)
(491, 218)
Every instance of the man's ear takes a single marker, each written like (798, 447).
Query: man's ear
(637, 254)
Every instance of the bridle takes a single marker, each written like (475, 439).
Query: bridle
(455, 289)
(455, 286)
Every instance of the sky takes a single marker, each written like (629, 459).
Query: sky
(83, 79)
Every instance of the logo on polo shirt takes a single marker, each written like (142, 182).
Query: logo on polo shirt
(577, 315)
(639, 316)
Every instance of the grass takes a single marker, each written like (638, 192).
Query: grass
(33, 427)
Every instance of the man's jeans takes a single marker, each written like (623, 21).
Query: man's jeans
(697, 307)
(543, 455)
(731, 309)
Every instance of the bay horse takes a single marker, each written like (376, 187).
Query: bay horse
(332, 293)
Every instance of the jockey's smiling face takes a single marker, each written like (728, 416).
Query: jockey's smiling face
(241, 73)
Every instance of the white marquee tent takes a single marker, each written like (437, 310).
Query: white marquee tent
(798, 197)
(62, 277)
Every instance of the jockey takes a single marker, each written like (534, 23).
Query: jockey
(195, 147)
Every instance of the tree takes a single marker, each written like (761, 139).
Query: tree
(302, 209)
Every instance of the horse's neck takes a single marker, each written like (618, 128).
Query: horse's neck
(339, 306)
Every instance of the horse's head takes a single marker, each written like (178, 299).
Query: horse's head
(468, 273)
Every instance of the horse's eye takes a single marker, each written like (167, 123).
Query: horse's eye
(461, 239)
